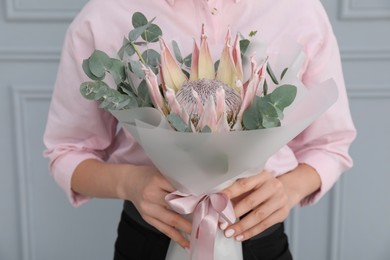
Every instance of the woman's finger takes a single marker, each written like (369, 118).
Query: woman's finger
(244, 185)
(260, 218)
(169, 231)
(254, 199)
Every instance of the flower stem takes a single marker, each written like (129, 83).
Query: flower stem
(138, 53)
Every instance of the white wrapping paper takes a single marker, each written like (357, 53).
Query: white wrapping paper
(204, 163)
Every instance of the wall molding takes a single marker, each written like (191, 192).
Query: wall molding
(350, 9)
(53, 55)
(21, 95)
(28, 55)
(15, 11)
(364, 92)
(354, 54)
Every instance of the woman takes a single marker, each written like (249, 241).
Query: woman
(89, 158)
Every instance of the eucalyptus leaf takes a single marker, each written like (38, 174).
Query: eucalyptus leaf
(252, 119)
(206, 129)
(143, 95)
(128, 49)
(121, 51)
(137, 32)
(271, 74)
(98, 63)
(88, 71)
(136, 68)
(177, 122)
(283, 96)
(126, 88)
(152, 33)
(216, 65)
(265, 88)
(90, 89)
(151, 57)
(138, 20)
(117, 70)
(283, 73)
(188, 60)
(244, 44)
(177, 52)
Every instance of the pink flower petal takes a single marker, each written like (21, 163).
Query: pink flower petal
(237, 58)
(175, 106)
(154, 90)
(220, 100)
(209, 116)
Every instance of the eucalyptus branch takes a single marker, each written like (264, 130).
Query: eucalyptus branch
(138, 53)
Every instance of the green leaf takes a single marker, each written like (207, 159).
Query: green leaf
(151, 57)
(186, 73)
(206, 129)
(138, 20)
(271, 74)
(125, 88)
(88, 72)
(98, 63)
(93, 90)
(188, 60)
(244, 43)
(117, 70)
(136, 68)
(283, 96)
(269, 113)
(283, 73)
(177, 52)
(177, 122)
(137, 32)
(152, 33)
(143, 95)
(252, 118)
(265, 88)
(252, 33)
(216, 65)
(128, 49)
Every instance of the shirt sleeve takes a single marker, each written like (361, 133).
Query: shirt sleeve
(76, 129)
(324, 144)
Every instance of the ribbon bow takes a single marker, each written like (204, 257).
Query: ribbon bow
(206, 209)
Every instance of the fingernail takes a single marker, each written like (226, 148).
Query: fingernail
(187, 249)
(223, 225)
(229, 233)
(240, 238)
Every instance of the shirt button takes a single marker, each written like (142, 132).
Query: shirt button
(214, 11)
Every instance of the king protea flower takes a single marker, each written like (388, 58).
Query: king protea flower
(216, 99)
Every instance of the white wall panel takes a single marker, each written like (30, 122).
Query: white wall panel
(50, 10)
(365, 9)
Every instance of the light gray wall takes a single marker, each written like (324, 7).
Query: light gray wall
(36, 221)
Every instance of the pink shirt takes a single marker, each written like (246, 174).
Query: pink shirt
(77, 129)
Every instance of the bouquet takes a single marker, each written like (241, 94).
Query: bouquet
(202, 123)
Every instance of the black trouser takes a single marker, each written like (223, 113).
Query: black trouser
(135, 242)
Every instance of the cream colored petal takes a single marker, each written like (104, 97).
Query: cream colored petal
(173, 76)
(226, 69)
(175, 106)
(205, 66)
(220, 100)
(194, 74)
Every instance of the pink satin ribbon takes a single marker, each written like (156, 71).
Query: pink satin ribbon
(207, 209)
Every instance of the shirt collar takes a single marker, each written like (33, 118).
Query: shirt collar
(172, 2)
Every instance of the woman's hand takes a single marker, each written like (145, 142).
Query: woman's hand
(142, 185)
(147, 192)
(265, 200)
(268, 200)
